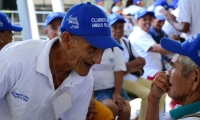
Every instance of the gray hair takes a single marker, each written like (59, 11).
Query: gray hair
(187, 65)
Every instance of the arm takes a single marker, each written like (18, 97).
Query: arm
(157, 48)
(135, 65)
(118, 86)
(159, 86)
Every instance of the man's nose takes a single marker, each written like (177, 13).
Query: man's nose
(97, 57)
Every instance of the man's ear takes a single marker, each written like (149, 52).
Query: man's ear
(66, 39)
(196, 79)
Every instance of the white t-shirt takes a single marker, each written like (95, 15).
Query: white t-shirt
(141, 42)
(103, 73)
(150, 8)
(132, 9)
(115, 9)
(126, 57)
(26, 85)
(189, 11)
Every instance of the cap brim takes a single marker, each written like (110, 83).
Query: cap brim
(102, 42)
(15, 28)
(116, 21)
(55, 17)
(160, 17)
(172, 46)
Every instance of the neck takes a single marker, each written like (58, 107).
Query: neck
(194, 97)
(58, 64)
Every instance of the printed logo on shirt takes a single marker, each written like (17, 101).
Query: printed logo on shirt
(111, 60)
(20, 96)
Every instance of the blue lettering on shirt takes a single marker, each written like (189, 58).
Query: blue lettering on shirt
(20, 96)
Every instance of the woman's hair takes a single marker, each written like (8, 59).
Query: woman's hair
(129, 2)
(187, 65)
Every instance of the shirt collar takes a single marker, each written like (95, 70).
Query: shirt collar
(42, 66)
(185, 110)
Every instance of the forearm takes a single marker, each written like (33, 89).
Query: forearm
(159, 49)
(179, 26)
(152, 112)
(118, 81)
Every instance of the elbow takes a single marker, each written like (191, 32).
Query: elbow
(185, 27)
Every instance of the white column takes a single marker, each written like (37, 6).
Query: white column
(28, 19)
(58, 5)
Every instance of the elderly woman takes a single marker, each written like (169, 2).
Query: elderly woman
(6, 28)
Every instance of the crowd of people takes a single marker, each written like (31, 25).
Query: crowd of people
(88, 68)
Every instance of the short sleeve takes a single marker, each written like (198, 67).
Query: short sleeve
(119, 64)
(143, 42)
(184, 14)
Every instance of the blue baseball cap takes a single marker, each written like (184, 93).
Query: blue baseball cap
(158, 13)
(190, 47)
(53, 16)
(115, 1)
(136, 1)
(5, 24)
(161, 3)
(112, 18)
(89, 22)
(143, 12)
(99, 0)
(174, 4)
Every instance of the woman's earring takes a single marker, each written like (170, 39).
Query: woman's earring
(2, 41)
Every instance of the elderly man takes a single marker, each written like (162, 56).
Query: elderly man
(181, 81)
(52, 24)
(46, 80)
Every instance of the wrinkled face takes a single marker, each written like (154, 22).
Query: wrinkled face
(157, 24)
(117, 30)
(180, 86)
(52, 29)
(144, 22)
(82, 55)
(5, 37)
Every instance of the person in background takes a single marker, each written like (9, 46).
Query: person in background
(133, 8)
(6, 28)
(51, 79)
(145, 45)
(162, 3)
(174, 4)
(100, 4)
(116, 7)
(96, 110)
(108, 80)
(132, 82)
(187, 20)
(180, 82)
(52, 24)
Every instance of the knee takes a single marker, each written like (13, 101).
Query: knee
(126, 109)
(112, 106)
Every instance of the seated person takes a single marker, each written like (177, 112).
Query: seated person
(108, 78)
(145, 45)
(132, 83)
(181, 81)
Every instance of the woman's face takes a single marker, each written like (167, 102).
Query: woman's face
(157, 24)
(5, 37)
(117, 30)
(144, 22)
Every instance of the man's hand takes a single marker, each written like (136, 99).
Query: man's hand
(160, 85)
(168, 16)
(118, 100)
(91, 110)
(135, 65)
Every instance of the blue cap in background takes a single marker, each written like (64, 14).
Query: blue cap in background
(143, 12)
(136, 1)
(190, 47)
(115, 1)
(112, 18)
(99, 0)
(161, 3)
(158, 13)
(89, 22)
(5, 23)
(53, 16)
